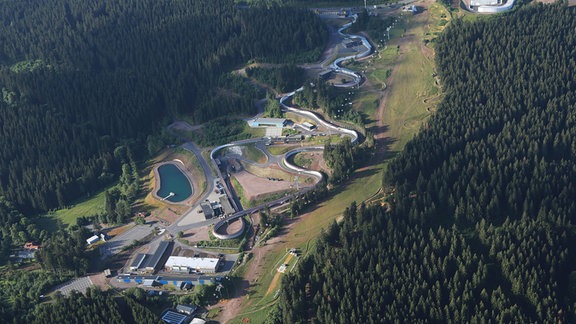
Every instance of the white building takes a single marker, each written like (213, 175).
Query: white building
(187, 264)
(92, 239)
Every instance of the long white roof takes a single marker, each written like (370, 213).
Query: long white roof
(193, 263)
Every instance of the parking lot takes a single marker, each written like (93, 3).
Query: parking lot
(115, 245)
(78, 284)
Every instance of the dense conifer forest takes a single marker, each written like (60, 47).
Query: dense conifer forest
(481, 219)
(86, 87)
(80, 78)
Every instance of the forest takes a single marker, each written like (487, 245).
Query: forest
(79, 79)
(86, 88)
(478, 225)
(85, 84)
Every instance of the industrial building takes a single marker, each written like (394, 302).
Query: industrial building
(267, 122)
(174, 318)
(192, 265)
(154, 262)
(138, 262)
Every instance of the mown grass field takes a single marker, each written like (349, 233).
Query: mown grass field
(68, 216)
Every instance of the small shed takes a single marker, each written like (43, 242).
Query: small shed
(93, 239)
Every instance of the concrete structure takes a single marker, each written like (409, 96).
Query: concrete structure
(188, 265)
(228, 236)
(138, 262)
(174, 318)
(491, 6)
(267, 122)
(187, 309)
(155, 262)
(226, 206)
(93, 239)
(325, 75)
(207, 210)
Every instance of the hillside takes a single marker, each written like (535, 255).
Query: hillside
(481, 224)
(80, 78)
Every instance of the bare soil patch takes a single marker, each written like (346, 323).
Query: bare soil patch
(99, 280)
(197, 234)
(255, 187)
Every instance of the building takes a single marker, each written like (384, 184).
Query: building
(138, 262)
(187, 309)
(267, 122)
(198, 321)
(93, 239)
(211, 209)
(226, 206)
(156, 261)
(207, 210)
(491, 6)
(32, 246)
(174, 318)
(187, 265)
(308, 126)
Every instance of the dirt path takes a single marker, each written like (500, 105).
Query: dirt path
(231, 308)
(274, 281)
(381, 135)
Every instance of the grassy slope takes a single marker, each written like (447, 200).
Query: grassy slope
(96, 204)
(404, 114)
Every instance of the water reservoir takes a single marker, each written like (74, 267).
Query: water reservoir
(174, 185)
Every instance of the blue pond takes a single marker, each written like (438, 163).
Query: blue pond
(172, 180)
